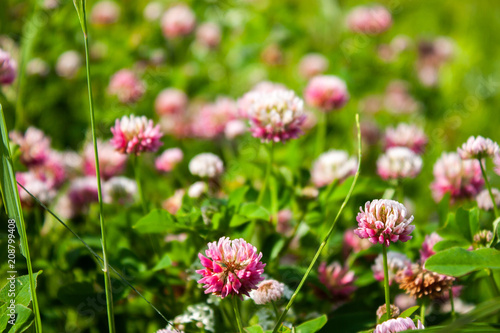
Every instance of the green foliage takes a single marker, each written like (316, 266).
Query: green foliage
(458, 261)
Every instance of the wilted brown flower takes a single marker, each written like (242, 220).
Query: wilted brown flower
(419, 282)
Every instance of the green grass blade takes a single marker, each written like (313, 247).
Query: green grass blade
(12, 204)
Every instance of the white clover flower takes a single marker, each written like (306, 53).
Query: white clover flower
(478, 147)
(333, 165)
(206, 165)
(399, 162)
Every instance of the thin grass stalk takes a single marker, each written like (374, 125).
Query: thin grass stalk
(12, 204)
(488, 186)
(327, 236)
(107, 280)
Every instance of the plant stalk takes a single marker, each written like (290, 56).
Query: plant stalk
(488, 186)
(107, 279)
(237, 313)
(386, 283)
(268, 174)
(325, 239)
(452, 303)
(137, 173)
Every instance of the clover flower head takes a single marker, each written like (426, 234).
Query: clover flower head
(333, 165)
(406, 135)
(267, 291)
(461, 178)
(398, 325)
(418, 282)
(125, 85)
(171, 101)
(326, 92)
(370, 20)
(338, 280)
(8, 68)
(428, 246)
(276, 115)
(384, 221)
(111, 162)
(206, 165)
(478, 147)
(232, 267)
(399, 162)
(167, 161)
(395, 261)
(33, 145)
(121, 190)
(178, 21)
(134, 135)
(313, 64)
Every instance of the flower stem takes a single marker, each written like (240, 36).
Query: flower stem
(321, 137)
(488, 186)
(493, 284)
(422, 312)
(386, 283)
(275, 307)
(237, 313)
(452, 303)
(107, 280)
(325, 239)
(268, 174)
(137, 172)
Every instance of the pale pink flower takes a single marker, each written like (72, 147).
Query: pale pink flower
(398, 325)
(478, 147)
(33, 145)
(178, 125)
(52, 171)
(247, 100)
(232, 267)
(313, 64)
(111, 162)
(125, 85)
(276, 116)
(134, 135)
(326, 92)
(431, 57)
(283, 226)
(197, 189)
(206, 165)
(496, 160)
(461, 178)
(338, 280)
(235, 128)
(177, 21)
(42, 190)
(81, 193)
(428, 245)
(331, 166)
(105, 12)
(167, 161)
(398, 100)
(371, 20)
(399, 162)
(68, 64)
(484, 199)
(395, 262)
(384, 221)
(120, 190)
(208, 34)
(268, 291)
(37, 66)
(72, 162)
(169, 330)
(171, 101)
(406, 135)
(8, 68)
(211, 119)
(153, 11)
(174, 203)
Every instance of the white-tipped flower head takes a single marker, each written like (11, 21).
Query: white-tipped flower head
(406, 135)
(395, 261)
(399, 162)
(120, 190)
(333, 165)
(478, 147)
(197, 190)
(484, 199)
(276, 115)
(206, 165)
(267, 291)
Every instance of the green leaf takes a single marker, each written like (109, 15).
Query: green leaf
(312, 326)
(238, 196)
(24, 319)
(23, 292)
(164, 262)
(254, 329)
(157, 221)
(458, 261)
(409, 312)
(253, 211)
(449, 243)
